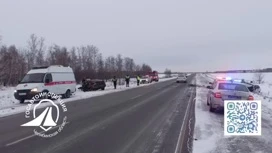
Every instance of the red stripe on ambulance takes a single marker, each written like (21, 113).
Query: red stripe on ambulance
(59, 83)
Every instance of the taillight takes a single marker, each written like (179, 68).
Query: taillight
(250, 97)
(217, 95)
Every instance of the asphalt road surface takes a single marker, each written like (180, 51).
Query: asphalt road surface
(148, 119)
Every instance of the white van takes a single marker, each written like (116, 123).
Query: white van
(56, 79)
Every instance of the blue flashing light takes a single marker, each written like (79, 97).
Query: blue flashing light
(228, 78)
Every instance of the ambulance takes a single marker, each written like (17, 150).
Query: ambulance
(55, 79)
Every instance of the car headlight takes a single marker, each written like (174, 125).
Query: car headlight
(15, 90)
(34, 90)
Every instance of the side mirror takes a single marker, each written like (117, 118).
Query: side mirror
(209, 87)
(47, 81)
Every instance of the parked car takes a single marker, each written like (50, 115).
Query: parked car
(221, 90)
(92, 85)
(145, 79)
(252, 87)
(56, 79)
(181, 78)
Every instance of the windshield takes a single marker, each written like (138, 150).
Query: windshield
(231, 86)
(181, 75)
(33, 78)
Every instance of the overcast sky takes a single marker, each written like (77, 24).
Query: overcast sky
(183, 35)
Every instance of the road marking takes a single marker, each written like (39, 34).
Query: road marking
(28, 137)
(182, 127)
(73, 137)
(135, 97)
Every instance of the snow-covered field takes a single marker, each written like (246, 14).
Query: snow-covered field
(9, 105)
(209, 127)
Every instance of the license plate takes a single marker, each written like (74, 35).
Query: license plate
(234, 97)
(22, 94)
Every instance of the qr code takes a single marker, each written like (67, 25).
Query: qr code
(242, 117)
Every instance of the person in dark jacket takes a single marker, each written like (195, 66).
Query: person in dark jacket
(127, 80)
(83, 83)
(114, 80)
(83, 80)
(138, 80)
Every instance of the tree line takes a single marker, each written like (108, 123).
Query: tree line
(86, 61)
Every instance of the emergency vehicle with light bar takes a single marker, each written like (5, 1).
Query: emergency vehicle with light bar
(56, 79)
(154, 76)
(226, 89)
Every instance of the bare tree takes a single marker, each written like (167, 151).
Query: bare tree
(58, 56)
(40, 52)
(35, 53)
(137, 69)
(119, 66)
(4, 57)
(113, 68)
(100, 67)
(86, 61)
(12, 65)
(145, 69)
(259, 77)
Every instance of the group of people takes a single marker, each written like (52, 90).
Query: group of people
(127, 79)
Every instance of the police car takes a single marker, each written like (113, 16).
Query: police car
(226, 89)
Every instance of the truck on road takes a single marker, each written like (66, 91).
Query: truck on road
(154, 76)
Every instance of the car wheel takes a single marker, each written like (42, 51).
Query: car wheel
(67, 94)
(22, 101)
(103, 88)
(211, 108)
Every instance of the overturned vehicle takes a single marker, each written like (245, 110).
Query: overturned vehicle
(92, 85)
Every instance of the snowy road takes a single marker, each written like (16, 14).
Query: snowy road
(9, 105)
(209, 128)
(147, 119)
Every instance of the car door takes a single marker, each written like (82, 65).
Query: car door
(49, 85)
(211, 91)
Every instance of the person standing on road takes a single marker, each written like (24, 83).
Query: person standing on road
(138, 80)
(114, 80)
(127, 80)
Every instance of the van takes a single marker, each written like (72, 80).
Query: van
(55, 79)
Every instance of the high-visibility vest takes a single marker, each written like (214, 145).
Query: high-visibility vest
(138, 78)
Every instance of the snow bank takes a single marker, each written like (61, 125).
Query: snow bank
(209, 127)
(9, 105)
